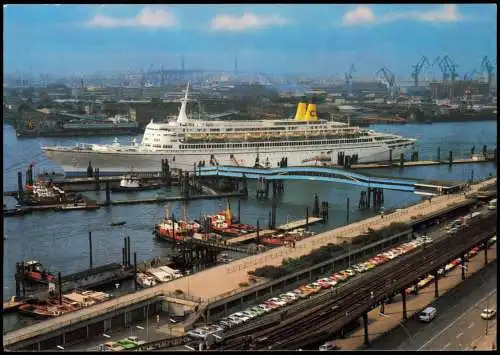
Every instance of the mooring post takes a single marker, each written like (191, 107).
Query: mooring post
(401, 160)
(124, 251)
(307, 218)
(128, 251)
(390, 157)
(135, 270)
(60, 287)
(123, 256)
(90, 249)
(258, 227)
(439, 154)
(20, 196)
(108, 194)
(450, 159)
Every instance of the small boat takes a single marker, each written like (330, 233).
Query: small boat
(133, 183)
(145, 280)
(121, 223)
(76, 206)
(176, 230)
(33, 271)
(16, 212)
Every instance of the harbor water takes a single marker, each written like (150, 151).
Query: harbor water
(60, 240)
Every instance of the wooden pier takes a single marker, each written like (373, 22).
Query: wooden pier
(249, 236)
(396, 164)
(298, 224)
(221, 246)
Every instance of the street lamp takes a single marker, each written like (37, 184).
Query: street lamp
(106, 335)
(60, 347)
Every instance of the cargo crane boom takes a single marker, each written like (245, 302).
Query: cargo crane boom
(489, 68)
(451, 67)
(418, 68)
(440, 62)
(389, 79)
(348, 79)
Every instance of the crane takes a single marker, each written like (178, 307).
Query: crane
(452, 67)
(418, 68)
(440, 62)
(389, 79)
(471, 75)
(348, 79)
(487, 67)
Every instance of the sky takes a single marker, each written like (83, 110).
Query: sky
(313, 39)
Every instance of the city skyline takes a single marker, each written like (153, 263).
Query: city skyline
(81, 39)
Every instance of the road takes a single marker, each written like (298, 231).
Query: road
(458, 322)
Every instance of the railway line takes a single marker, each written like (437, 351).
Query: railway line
(325, 319)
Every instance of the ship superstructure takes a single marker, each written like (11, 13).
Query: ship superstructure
(185, 142)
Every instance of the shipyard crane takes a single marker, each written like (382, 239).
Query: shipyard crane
(348, 79)
(440, 62)
(487, 67)
(388, 79)
(451, 67)
(418, 68)
(471, 75)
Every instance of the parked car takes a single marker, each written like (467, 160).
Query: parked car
(292, 295)
(113, 346)
(306, 292)
(286, 299)
(488, 313)
(277, 301)
(249, 314)
(257, 310)
(272, 305)
(339, 277)
(326, 282)
(265, 307)
(329, 345)
(351, 272)
(315, 287)
(136, 340)
(235, 319)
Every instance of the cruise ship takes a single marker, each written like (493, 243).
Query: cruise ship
(302, 140)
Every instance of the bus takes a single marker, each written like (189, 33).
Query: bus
(492, 205)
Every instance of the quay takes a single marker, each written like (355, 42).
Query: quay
(217, 283)
(420, 163)
(173, 198)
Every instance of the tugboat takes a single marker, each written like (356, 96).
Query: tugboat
(221, 224)
(33, 271)
(131, 182)
(176, 230)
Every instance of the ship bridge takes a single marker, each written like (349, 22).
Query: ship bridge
(335, 175)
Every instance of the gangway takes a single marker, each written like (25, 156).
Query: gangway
(329, 174)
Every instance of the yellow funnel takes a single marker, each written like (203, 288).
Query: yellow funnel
(301, 111)
(311, 113)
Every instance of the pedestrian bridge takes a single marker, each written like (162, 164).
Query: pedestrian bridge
(327, 174)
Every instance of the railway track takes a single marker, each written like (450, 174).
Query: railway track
(350, 303)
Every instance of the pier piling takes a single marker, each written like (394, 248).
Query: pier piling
(59, 284)
(390, 157)
(307, 218)
(20, 191)
(135, 270)
(450, 159)
(90, 249)
(128, 252)
(316, 206)
(439, 154)
(401, 161)
(108, 194)
(90, 170)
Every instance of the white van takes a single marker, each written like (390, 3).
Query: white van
(427, 314)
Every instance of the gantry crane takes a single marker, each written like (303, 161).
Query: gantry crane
(418, 68)
(452, 67)
(440, 62)
(471, 75)
(389, 79)
(487, 67)
(348, 79)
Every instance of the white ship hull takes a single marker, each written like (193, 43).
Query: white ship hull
(121, 162)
